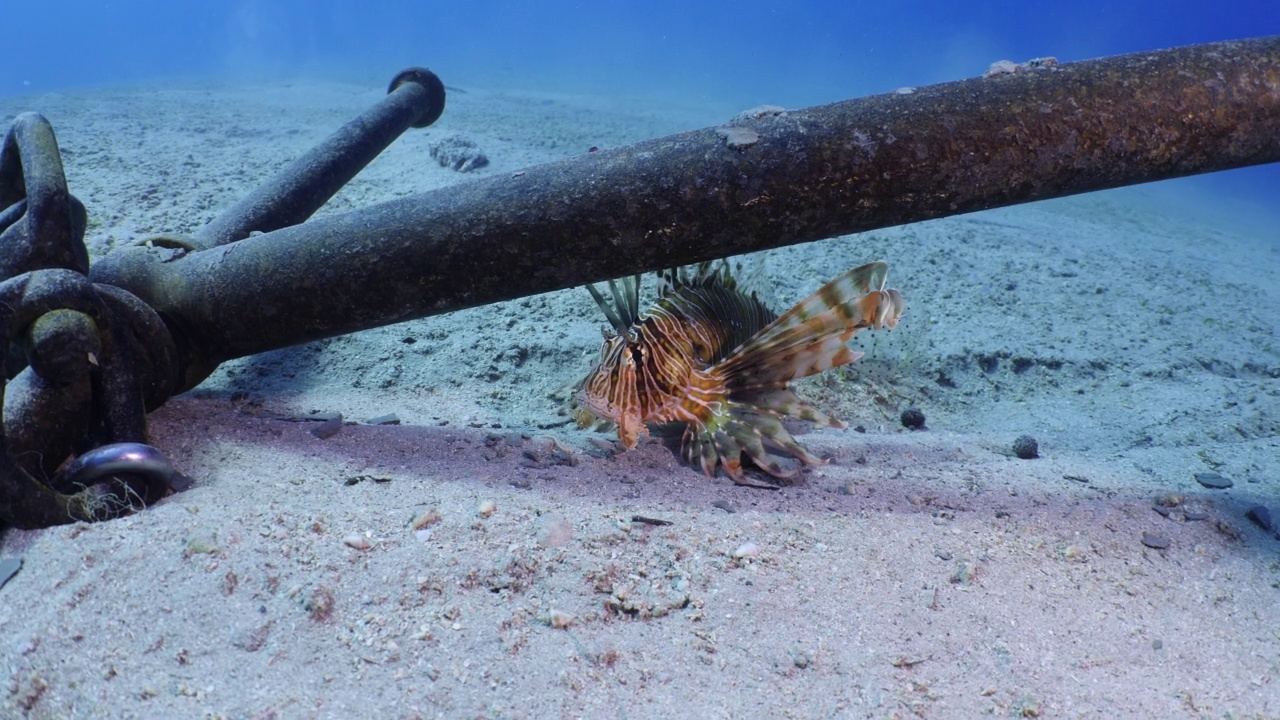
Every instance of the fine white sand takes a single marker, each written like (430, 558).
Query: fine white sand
(919, 574)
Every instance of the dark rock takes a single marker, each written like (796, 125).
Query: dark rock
(1261, 516)
(459, 153)
(1214, 480)
(1162, 510)
(1152, 540)
(328, 428)
(1026, 448)
(912, 419)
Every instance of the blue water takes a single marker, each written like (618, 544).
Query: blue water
(744, 52)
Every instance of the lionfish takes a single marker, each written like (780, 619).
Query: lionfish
(714, 357)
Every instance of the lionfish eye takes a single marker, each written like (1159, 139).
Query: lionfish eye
(637, 354)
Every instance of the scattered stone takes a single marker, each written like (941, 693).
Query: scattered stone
(648, 520)
(724, 505)
(425, 519)
(459, 153)
(746, 550)
(487, 508)
(1155, 541)
(1195, 515)
(357, 541)
(1164, 511)
(558, 619)
(357, 479)
(1260, 515)
(963, 575)
(912, 418)
(388, 419)
(1214, 481)
(330, 427)
(8, 568)
(1026, 448)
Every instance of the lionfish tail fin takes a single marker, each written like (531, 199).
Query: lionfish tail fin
(810, 337)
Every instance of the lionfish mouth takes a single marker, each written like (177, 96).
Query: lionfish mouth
(715, 358)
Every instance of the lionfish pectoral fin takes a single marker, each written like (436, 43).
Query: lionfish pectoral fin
(810, 337)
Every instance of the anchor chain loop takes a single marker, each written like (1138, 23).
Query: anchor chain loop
(83, 362)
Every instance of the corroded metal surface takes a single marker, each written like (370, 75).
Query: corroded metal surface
(764, 180)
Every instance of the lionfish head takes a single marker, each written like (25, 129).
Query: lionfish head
(609, 390)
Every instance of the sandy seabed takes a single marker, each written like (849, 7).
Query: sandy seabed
(485, 558)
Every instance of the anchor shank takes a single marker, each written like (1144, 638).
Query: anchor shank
(763, 182)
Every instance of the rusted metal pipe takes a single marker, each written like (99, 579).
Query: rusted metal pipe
(764, 180)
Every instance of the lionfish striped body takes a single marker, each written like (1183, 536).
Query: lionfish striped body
(719, 361)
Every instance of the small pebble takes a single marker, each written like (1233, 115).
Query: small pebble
(746, 550)
(389, 419)
(328, 428)
(724, 505)
(487, 508)
(1152, 540)
(357, 541)
(912, 419)
(1026, 448)
(559, 619)
(426, 519)
(1162, 510)
(1214, 480)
